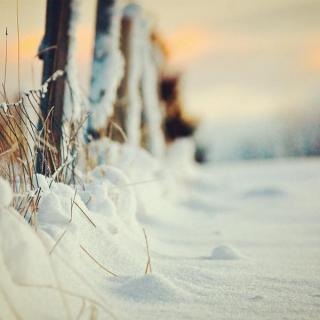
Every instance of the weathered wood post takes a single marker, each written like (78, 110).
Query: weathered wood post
(120, 112)
(54, 53)
(138, 109)
(107, 67)
(152, 64)
(129, 106)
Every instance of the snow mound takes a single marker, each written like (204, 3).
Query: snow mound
(96, 195)
(42, 182)
(149, 288)
(256, 298)
(264, 192)
(5, 193)
(20, 246)
(180, 157)
(119, 190)
(224, 252)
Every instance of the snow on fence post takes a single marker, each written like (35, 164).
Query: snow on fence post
(120, 110)
(151, 98)
(75, 104)
(54, 53)
(107, 67)
(129, 107)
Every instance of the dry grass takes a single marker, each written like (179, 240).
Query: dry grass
(25, 149)
(148, 265)
(97, 262)
(18, 138)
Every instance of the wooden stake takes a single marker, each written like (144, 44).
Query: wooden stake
(58, 21)
(120, 112)
(104, 20)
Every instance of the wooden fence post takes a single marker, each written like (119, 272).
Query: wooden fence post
(107, 67)
(154, 136)
(138, 109)
(54, 53)
(129, 106)
(120, 112)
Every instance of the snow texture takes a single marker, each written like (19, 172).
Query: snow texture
(5, 193)
(215, 253)
(224, 252)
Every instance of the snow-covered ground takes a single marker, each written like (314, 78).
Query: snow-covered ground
(227, 241)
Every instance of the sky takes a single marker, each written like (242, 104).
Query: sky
(243, 59)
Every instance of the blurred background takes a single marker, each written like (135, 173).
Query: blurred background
(251, 69)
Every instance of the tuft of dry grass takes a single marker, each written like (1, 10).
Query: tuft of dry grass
(148, 265)
(25, 149)
(97, 262)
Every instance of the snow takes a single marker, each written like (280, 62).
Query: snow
(118, 188)
(53, 77)
(263, 138)
(74, 105)
(135, 68)
(107, 71)
(5, 193)
(226, 241)
(13, 257)
(224, 252)
(150, 94)
(142, 84)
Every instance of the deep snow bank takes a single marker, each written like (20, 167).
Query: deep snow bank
(236, 241)
(84, 235)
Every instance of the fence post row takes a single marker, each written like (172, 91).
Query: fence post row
(54, 53)
(132, 87)
(138, 108)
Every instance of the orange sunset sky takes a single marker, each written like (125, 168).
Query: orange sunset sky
(241, 59)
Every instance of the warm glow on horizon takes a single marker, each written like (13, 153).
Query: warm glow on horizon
(313, 59)
(187, 44)
(253, 51)
(31, 65)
